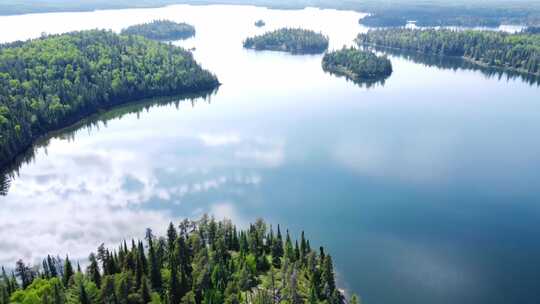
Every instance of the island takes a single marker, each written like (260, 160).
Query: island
(161, 30)
(54, 81)
(519, 52)
(292, 40)
(260, 23)
(357, 65)
(202, 261)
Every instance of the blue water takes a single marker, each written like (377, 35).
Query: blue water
(425, 189)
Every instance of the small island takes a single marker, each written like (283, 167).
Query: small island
(195, 262)
(161, 30)
(260, 23)
(296, 41)
(357, 65)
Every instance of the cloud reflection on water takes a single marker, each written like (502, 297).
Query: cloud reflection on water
(115, 197)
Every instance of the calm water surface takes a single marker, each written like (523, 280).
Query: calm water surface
(426, 189)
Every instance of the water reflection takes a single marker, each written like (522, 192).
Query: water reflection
(454, 63)
(362, 83)
(95, 122)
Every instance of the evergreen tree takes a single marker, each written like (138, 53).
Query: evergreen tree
(93, 270)
(354, 299)
(108, 291)
(328, 279)
(145, 290)
(68, 272)
(155, 270)
(83, 296)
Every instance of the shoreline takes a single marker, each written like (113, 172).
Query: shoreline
(5, 164)
(476, 62)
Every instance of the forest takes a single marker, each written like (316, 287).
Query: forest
(357, 64)
(293, 40)
(383, 13)
(532, 30)
(161, 30)
(204, 261)
(51, 82)
(519, 52)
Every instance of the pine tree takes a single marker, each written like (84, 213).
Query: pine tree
(327, 278)
(289, 250)
(313, 296)
(108, 291)
(354, 299)
(83, 296)
(175, 286)
(58, 293)
(145, 291)
(93, 270)
(68, 272)
(279, 242)
(172, 235)
(24, 273)
(155, 270)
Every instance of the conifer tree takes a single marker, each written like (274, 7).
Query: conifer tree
(327, 278)
(83, 296)
(155, 270)
(68, 272)
(93, 270)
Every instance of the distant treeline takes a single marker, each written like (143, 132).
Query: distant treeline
(53, 81)
(161, 30)
(532, 30)
(201, 262)
(297, 41)
(383, 13)
(520, 52)
(448, 16)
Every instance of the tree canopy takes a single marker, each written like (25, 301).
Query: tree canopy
(520, 52)
(293, 40)
(196, 262)
(53, 81)
(161, 30)
(357, 65)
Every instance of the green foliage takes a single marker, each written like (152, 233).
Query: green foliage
(357, 64)
(161, 30)
(296, 41)
(519, 52)
(260, 23)
(48, 83)
(202, 265)
(388, 12)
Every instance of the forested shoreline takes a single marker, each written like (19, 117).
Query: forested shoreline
(54, 81)
(292, 40)
(161, 30)
(357, 65)
(387, 13)
(203, 261)
(519, 52)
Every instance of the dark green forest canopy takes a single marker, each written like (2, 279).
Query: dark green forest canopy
(357, 64)
(161, 30)
(195, 262)
(384, 13)
(53, 81)
(520, 52)
(296, 41)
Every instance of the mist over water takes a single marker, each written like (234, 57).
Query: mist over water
(424, 189)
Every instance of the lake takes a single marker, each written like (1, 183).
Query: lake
(425, 189)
